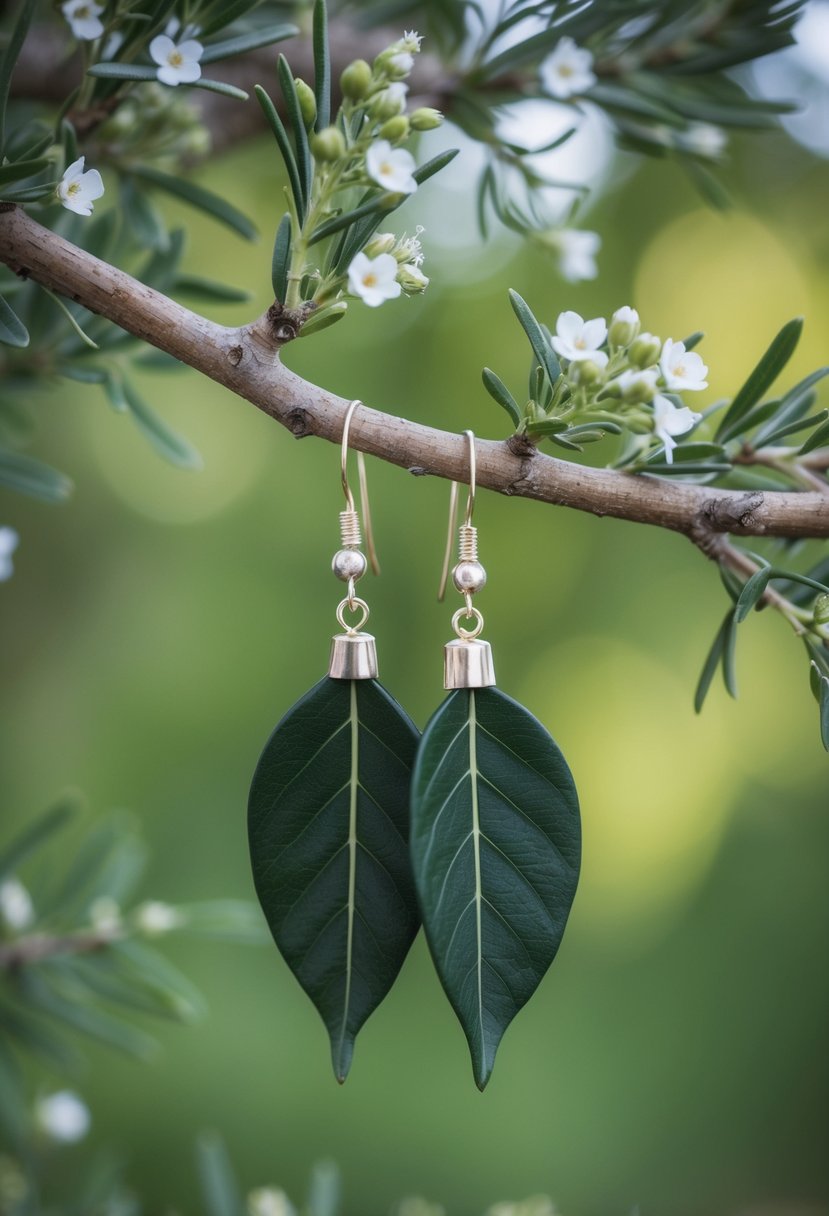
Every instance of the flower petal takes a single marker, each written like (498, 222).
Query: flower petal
(161, 48)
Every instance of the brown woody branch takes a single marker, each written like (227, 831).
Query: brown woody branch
(247, 361)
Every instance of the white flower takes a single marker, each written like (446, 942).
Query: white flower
(669, 420)
(568, 70)
(410, 42)
(9, 540)
(391, 167)
(704, 139)
(393, 97)
(577, 339)
(402, 62)
(178, 63)
(374, 279)
(577, 251)
(269, 1202)
(84, 19)
(16, 908)
(78, 190)
(625, 316)
(636, 385)
(155, 918)
(682, 370)
(63, 1117)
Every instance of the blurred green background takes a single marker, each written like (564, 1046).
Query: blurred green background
(156, 629)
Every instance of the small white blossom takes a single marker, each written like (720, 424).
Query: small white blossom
(77, 190)
(9, 540)
(410, 42)
(105, 916)
(16, 908)
(402, 62)
(391, 168)
(669, 420)
(636, 385)
(155, 918)
(394, 97)
(374, 280)
(625, 316)
(269, 1202)
(84, 19)
(704, 139)
(568, 70)
(577, 249)
(63, 1117)
(682, 370)
(577, 339)
(178, 63)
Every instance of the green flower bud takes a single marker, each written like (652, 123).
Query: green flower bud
(383, 242)
(328, 145)
(356, 79)
(412, 279)
(426, 119)
(820, 613)
(584, 371)
(390, 102)
(307, 102)
(644, 350)
(624, 326)
(395, 129)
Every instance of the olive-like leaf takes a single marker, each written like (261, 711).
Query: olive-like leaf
(328, 832)
(496, 848)
(12, 330)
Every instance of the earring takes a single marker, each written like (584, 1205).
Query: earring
(496, 834)
(328, 819)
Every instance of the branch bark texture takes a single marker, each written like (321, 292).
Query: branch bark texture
(247, 361)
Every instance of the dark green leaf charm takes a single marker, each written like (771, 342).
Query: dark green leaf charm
(496, 847)
(328, 829)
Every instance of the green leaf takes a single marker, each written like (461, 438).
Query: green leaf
(266, 36)
(496, 843)
(22, 169)
(281, 259)
(63, 1000)
(284, 144)
(35, 835)
(386, 202)
(122, 71)
(305, 165)
(322, 66)
(793, 405)
(817, 439)
(220, 1189)
(226, 12)
(142, 219)
(729, 647)
(820, 687)
(323, 318)
(541, 347)
(8, 60)
(764, 374)
(30, 476)
(167, 443)
(433, 166)
(712, 661)
(197, 196)
(799, 424)
(753, 590)
(195, 287)
(12, 330)
(328, 829)
(499, 392)
(219, 86)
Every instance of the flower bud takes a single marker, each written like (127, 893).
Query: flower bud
(307, 102)
(355, 80)
(395, 129)
(820, 612)
(426, 119)
(624, 326)
(383, 242)
(389, 102)
(637, 386)
(328, 145)
(412, 279)
(584, 371)
(644, 350)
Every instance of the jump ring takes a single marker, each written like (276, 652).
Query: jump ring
(467, 634)
(352, 605)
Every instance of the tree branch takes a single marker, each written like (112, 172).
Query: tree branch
(247, 361)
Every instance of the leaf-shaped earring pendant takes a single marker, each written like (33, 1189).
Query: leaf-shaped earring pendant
(328, 823)
(496, 833)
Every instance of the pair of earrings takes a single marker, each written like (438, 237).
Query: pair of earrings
(360, 829)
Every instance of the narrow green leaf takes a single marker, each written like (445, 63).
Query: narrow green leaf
(433, 166)
(281, 259)
(799, 424)
(142, 218)
(9, 59)
(197, 196)
(324, 1191)
(167, 443)
(36, 835)
(816, 440)
(541, 347)
(793, 405)
(12, 330)
(712, 661)
(499, 392)
(322, 66)
(324, 318)
(220, 1189)
(223, 14)
(63, 1000)
(693, 339)
(219, 86)
(32, 477)
(284, 144)
(122, 71)
(496, 849)
(764, 374)
(195, 287)
(266, 36)
(21, 169)
(729, 673)
(305, 165)
(824, 711)
(386, 202)
(328, 825)
(753, 590)
(73, 321)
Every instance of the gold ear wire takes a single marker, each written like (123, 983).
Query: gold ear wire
(349, 519)
(453, 515)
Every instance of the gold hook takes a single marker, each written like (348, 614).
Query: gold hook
(363, 482)
(453, 513)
